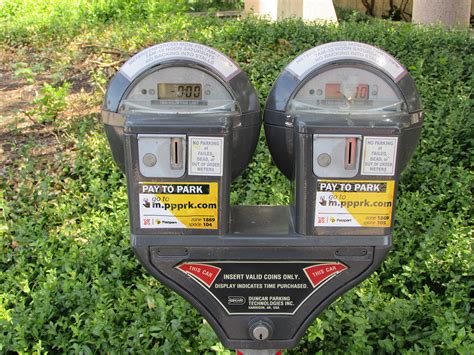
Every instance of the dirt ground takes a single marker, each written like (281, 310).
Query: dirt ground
(17, 94)
(16, 97)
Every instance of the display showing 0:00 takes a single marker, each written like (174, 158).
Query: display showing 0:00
(189, 91)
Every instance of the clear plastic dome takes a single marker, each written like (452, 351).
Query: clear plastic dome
(347, 90)
(178, 89)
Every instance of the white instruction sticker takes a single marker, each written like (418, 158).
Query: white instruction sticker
(205, 156)
(178, 205)
(179, 50)
(379, 156)
(354, 203)
(325, 53)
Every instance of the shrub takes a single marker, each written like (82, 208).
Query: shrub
(70, 283)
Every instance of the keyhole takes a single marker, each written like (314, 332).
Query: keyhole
(260, 332)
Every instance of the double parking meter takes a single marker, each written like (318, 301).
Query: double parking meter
(341, 122)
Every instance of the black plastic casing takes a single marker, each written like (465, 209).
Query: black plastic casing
(260, 234)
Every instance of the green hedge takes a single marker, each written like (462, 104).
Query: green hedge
(69, 281)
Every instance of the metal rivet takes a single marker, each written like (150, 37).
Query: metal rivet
(149, 159)
(324, 159)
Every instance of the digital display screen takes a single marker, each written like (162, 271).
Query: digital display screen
(181, 91)
(334, 92)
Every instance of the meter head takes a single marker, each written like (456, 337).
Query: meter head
(180, 82)
(339, 84)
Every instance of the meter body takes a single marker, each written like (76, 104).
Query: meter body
(342, 121)
(183, 121)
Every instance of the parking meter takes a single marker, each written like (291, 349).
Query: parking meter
(183, 121)
(342, 121)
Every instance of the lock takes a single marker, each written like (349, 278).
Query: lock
(355, 121)
(260, 330)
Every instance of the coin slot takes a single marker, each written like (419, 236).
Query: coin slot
(350, 153)
(176, 153)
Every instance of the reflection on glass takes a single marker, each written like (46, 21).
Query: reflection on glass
(357, 92)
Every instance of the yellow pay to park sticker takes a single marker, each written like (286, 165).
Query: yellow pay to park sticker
(178, 205)
(350, 203)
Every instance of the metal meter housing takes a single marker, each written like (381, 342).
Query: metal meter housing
(280, 113)
(182, 120)
(157, 73)
(343, 113)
